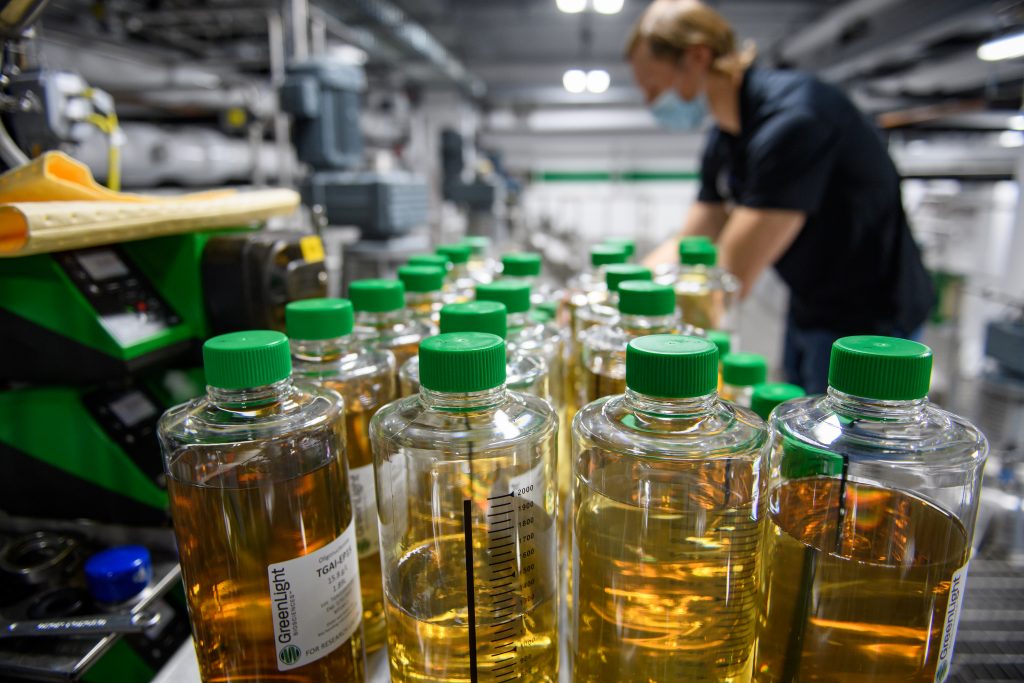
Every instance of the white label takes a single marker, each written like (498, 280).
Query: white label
(957, 588)
(364, 507)
(315, 602)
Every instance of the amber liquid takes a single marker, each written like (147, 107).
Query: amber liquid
(428, 640)
(363, 398)
(598, 385)
(230, 527)
(665, 585)
(705, 309)
(859, 600)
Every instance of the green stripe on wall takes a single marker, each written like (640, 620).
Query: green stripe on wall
(611, 177)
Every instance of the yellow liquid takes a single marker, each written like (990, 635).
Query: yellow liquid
(879, 597)
(597, 385)
(428, 621)
(226, 539)
(705, 309)
(363, 398)
(403, 351)
(666, 591)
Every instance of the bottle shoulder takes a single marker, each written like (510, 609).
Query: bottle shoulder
(307, 407)
(724, 430)
(929, 436)
(356, 365)
(515, 419)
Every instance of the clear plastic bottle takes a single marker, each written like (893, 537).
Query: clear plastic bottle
(424, 293)
(645, 308)
(706, 294)
(259, 495)
(525, 372)
(325, 352)
(668, 505)
(590, 285)
(604, 309)
(722, 340)
(872, 500)
(740, 372)
(466, 500)
(526, 335)
(526, 265)
(481, 265)
(462, 281)
(382, 320)
(668, 274)
(770, 394)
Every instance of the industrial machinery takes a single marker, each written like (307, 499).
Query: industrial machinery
(323, 97)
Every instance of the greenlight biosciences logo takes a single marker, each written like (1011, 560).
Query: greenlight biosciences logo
(940, 675)
(289, 655)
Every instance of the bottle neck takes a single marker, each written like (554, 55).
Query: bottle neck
(458, 270)
(462, 402)
(648, 324)
(321, 350)
(417, 299)
(380, 319)
(254, 397)
(872, 409)
(670, 407)
(518, 320)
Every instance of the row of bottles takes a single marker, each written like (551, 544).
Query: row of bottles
(318, 514)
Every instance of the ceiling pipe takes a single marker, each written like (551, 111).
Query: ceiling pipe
(414, 37)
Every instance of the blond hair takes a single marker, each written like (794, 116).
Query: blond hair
(668, 27)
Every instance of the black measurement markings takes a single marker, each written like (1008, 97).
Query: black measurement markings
(502, 541)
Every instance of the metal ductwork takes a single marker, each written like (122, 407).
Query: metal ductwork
(413, 37)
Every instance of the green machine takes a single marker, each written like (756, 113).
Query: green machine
(96, 343)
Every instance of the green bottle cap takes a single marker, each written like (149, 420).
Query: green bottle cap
(377, 296)
(880, 368)
(435, 260)
(478, 244)
(721, 339)
(694, 239)
(319, 318)
(623, 243)
(456, 253)
(422, 278)
(521, 264)
(744, 369)
(246, 360)
(475, 316)
(770, 394)
(671, 366)
(605, 254)
(620, 272)
(639, 297)
(698, 253)
(515, 294)
(548, 307)
(462, 362)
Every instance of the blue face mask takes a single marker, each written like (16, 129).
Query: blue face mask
(674, 113)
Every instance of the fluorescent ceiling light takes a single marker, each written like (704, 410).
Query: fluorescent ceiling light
(574, 80)
(1007, 47)
(1016, 122)
(608, 6)
(598, 81)
(1011, 139)
(571, 6)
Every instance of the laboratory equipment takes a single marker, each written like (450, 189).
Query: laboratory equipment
(740, 373)
(644, 308)
(668, 504)
(466, 500)
(259, 496)
(381, 318)
(525, 372)
(873, 494)
(707, 295)
(481, 266)
(603, 309)
(324, 351)
(423, 292)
